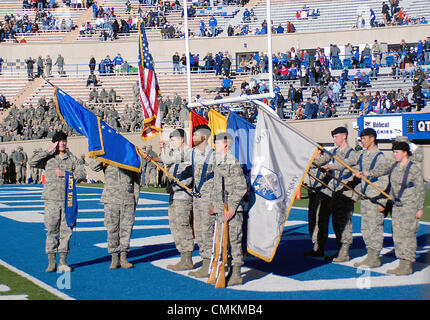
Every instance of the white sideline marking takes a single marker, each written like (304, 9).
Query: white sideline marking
(41, 284)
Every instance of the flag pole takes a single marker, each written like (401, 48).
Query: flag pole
(355, 172)
(191, 192)
(187, 49)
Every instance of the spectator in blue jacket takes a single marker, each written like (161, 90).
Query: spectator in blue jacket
(226, 85)
(213, 24)
(374, 69)
(372, 18)
(95, 10)
(117, 62)
(246, 15)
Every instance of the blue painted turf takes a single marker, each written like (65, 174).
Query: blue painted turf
(22, 245)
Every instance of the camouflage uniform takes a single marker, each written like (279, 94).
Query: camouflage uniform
(35, 172)
(372, 221)
(203, 221)
(3, 165)
(405, 223)
(180, 202)
(342, 205)
(58, 233)
(229, 168)
(151, 173)
(20, 159)
(120, 197)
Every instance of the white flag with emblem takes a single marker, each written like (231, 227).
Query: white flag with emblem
(281, 158)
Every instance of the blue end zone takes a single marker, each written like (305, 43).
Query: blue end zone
(289, 276)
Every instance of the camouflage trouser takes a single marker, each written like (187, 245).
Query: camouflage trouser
(58, 233)
(343, 208)
(314, 202)
(2, 167)
(235, 232)
(20, 173)
(372, 225)
(405, 228)
(179, 221)
(119, 221)
(151, 175)
(203, 226)
(35, 174)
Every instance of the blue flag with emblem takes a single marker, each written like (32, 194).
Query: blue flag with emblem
(104, 143)
(243, 133)
(71, 200)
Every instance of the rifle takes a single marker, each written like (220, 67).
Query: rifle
(214, 257)
(220, 282)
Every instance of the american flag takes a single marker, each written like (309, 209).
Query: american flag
(148, 88)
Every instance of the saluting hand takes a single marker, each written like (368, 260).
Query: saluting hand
(53, 147)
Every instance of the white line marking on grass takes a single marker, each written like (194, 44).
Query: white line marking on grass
(37, 282)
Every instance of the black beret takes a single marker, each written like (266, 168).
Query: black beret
(223, 136)
(401, 146)
(339, 130)
(180, 133)
(59, 135)
(368, 132)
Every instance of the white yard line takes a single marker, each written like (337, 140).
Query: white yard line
(37, 282)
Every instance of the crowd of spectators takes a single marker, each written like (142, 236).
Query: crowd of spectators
(313, 93)
(109, 26)
(394, 15)
(43, 21)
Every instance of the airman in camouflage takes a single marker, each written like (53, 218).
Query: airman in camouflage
(151, 173)
(372, 219)
(35, 171)
(202, 161)
(120, 197)
(180, 201)
(342, 205)
(56, 160)
(408, 192)
(4, 159)
(20, 160)
(229, 180)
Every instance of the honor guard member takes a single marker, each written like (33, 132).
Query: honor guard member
(408, 192)
(342, 206)
(202, 161)
(4, 159)
(319, 210)
(151, 173)
(372, 218)
(230, 179)
(35, 172)
(20, 160)
(120, 197)
(56, 160)
(417, 154)
(180, 201)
